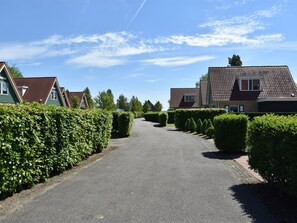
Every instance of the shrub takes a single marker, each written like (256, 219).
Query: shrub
(115, 122)
(37, 141)
(230, 132)
(204, 126)
(198, 126)
(152, 116)
(138, 114)
(125, 120)
(273, 150)
(186, 128)
(163, 118)
(171, 115)
(182, 115)
(210, 131)
(192, 125)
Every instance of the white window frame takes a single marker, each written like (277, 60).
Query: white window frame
(250, 80)
(54, 95)
(186, 98)
(2, 85)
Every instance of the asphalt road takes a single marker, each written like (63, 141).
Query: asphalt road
(157, 175)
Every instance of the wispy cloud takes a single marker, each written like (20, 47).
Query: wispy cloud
(152, 81)
(177, 61)
(137, 12)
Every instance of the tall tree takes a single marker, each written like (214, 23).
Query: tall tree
(74, 101)
(235, 60)
(89, 97)
(146, 107)
(105, 100)
(122, 103)
(15, 71)
(158, 106)
(135, 104)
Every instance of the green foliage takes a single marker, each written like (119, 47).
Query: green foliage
(198, 126)
(135, 104)
(151, 116)
(74, 101)
(210, 131)
(230, 132)
(125, 121)
(37, 141)
(192, 125)
(273, 150)
(234, 60)
(252, 115)
(105, 100)
(122, 103)
(89, 98)
(171, 115)
(138, 114)
(15, 71)
(146, 107)
(186, 127)
(115, 121)
(204, 126)
(163, 118)
(182, 115)
(158, 106)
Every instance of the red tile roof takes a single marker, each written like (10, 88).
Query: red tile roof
(277, 82)
(177, 97)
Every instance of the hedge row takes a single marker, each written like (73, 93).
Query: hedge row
(151, 116)
(122, 123)
(138, 114)
(163, 119)
(273, 150)
(37, 141)
(171, 115)
(182, 115)
(252, 115)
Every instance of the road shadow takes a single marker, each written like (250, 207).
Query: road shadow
(222, 155)
(265, 203)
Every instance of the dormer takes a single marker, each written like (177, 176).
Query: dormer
(250, 83)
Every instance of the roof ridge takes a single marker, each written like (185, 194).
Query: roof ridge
(249, 66)
(34, 77)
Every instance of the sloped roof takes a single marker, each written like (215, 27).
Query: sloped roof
(81, 96)
(39, 88)
(203, 92)
(1, 65)
(65, 97)
(177, 97)
(277, 81)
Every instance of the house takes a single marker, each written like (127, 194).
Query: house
(83, 102)
(8, 89)
(65, 97)
(252, 89)
(44, 90)
(185, 98)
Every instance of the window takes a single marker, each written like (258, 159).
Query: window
(189, 98)
(250, 85)
(234, 108)
(241, 108)
(54, 95)
(3, 88)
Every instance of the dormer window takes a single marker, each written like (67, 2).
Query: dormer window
(250, 84)
(189, 98)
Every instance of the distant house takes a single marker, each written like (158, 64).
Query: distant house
(82, 98)
(65, 97)
(252, 89)
(8, 89)
(44, 90)
(185, 98)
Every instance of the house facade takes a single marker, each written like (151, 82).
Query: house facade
(185, 98)
(252, 89)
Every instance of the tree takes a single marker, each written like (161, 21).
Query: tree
(15, 71)
(105, 100)
(74, 101)
(146, 107)
(89, 97)
(158, 106)
(122, 103)
(235, 60)
(135, 104)
(202, 78)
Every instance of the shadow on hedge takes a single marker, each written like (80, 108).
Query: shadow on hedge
(222, 155)
(265, 203)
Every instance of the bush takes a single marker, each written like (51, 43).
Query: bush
(186, 128)
(230, 132)
(191, 125)
(204, 126)
(152, 116)
(115, 122)
(273, 150)
(210, 131)
(125, 120)
(182, 115)
(198, 126)
(171, 115)
(38, 141)
(163, 118)
(138, 114)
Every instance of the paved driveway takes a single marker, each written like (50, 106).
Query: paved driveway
(157, 175)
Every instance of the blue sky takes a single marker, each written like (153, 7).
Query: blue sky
(144, 47)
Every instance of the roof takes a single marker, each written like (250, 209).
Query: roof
(203, 91)
(65, 97)
(39, 88)
(81, 96)
(177, 97)
(277, 82)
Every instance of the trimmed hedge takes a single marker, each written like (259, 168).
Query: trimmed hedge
(192, 125)
(138, 114)
(230, 132)
(273, 150)
(115, 121)
(182, 115)
(125, 121)
(38, 141)
(163, 119)
(151, 116)
(252, 115)
(171, 115)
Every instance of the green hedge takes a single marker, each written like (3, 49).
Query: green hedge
(138, 114)
(182, 115)
(273, 150)
(151, 116)
(230, 132)
(163, 119)
(37, 141)
(125, 121)
(171, 115)
(115, 121)
(252, 115)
